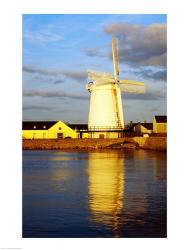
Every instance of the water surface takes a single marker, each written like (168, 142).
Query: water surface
(112, 193)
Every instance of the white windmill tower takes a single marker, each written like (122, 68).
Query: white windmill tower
(106, 113)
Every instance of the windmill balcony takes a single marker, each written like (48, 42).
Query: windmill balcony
(101, 128)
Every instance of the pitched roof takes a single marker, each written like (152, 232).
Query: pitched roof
(147, 125)
(44, 125)
(161, 118)
(37, 125)
(78, 126)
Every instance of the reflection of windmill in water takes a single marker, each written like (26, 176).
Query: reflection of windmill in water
(106, 113)
(115, 200)
(106, 188)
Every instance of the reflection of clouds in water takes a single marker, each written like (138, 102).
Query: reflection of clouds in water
(106, 187)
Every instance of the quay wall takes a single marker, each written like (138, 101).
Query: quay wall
(155, 143)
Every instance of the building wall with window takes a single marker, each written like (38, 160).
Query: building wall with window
(34, 134)
(58, 129)
(61, 130)
(160, 124)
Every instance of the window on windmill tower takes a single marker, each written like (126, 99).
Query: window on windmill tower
(59, 128)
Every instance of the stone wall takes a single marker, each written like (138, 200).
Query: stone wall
(157, 143)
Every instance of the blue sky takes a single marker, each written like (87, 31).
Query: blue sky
(59, 49)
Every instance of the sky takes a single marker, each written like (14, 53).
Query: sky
(59, 49)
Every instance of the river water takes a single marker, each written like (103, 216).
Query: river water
(113, 193)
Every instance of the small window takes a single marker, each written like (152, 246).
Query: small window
(101, 136)
(59, 128)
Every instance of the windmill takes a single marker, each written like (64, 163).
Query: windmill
(106, 113)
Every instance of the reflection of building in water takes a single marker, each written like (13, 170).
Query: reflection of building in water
(160, 166)
(141, 183)
(60, 173)
(153, 163)
(139, 173)
(106, 187)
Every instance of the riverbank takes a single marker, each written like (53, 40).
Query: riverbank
(154, 143)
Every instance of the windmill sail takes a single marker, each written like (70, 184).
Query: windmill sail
(115, 57)
(133, 87)
(105, 81)
(96, 75)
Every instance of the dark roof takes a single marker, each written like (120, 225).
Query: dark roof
(147, 125)
(78, 126)
(43, 125)
(161, 118)
(38, 125)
